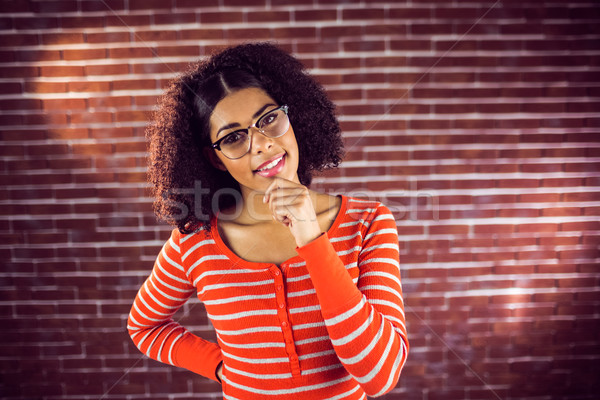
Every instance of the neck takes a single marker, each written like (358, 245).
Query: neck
(253, 209)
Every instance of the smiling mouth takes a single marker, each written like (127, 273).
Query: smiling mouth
(271, 168)
(270, 164)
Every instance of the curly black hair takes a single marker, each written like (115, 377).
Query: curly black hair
(183, 181)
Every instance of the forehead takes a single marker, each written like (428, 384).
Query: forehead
(238, 107)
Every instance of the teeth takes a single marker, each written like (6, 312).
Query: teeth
(271, 164)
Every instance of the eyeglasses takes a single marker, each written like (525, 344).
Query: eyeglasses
(273, 124)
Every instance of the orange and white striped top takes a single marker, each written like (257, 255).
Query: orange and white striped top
(326, 324)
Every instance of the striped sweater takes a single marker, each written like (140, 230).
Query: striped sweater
(326, 324)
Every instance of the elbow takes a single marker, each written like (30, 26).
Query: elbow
(389, 379)
(373, 391)
(133, 328)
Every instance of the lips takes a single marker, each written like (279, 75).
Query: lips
(271, 167)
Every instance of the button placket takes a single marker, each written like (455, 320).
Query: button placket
(284, 320)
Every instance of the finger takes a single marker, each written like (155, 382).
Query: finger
(294, 207)
(288, 198)
(270, 188)
(295, 197)
(277, 184)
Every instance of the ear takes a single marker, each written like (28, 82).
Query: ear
(214, 160)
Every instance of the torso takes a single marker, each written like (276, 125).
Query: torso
(270, 241)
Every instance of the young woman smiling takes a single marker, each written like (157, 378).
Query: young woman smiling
(303, 288)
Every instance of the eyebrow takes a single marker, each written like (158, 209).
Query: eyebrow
(254, 116)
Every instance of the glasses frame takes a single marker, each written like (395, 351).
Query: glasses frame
(217, 145)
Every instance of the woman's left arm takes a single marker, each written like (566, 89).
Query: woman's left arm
(366, 321)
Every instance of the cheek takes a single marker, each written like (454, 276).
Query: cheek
(237, 168)
(290, 139)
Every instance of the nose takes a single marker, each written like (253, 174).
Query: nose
(259, 142)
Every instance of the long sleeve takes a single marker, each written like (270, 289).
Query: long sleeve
(151, 325)
(366, 320)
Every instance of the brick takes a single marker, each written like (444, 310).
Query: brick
(249, 33)
(134, 84)
(90, 117)
(363, 13)
(448, 229)
(346, 30)
(106, 4)
(161, 35)
(84, 54)
(104, 133)
(61, 71)
(68, 133)
(494, 229)
(319, 14)
(108, 37)
(580, 226)
(149, 4)
(479, 184)
(268, 16)
(590, 254)
(19, 72)
(518, 183)
(110, 101)
(127, 147)
(83, 22)
(55, 6)
(45, 87)
(93, 148)
(562, 212)
(174, 18)
(541, 168)
(131, 52)
(9, 55)
(38, 55)
(61, 104)
(293, 33)
(339, 62)
(22, 39)
(29, 23)
(86, 86)
(178, 51)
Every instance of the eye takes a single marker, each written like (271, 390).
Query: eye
(234, 138)
(268, 119)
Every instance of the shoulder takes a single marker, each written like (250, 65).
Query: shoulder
(327, 203)
(367, 210)
(182, 242)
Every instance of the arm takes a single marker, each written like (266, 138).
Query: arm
(365, 323)
(152, 327)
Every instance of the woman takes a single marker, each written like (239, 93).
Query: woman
(302, 288)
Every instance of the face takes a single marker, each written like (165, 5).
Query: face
(268, 157)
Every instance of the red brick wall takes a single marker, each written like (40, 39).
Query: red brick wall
(476, 121)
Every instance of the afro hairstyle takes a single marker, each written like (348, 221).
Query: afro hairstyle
(187, 189)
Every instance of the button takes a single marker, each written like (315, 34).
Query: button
(284, 324)
(281, 305)
(279, 287)
(277, 272)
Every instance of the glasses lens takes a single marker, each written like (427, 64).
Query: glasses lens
(274, 124)
(236, 144)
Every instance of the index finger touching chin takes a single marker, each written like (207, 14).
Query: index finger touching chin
(273, 185)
